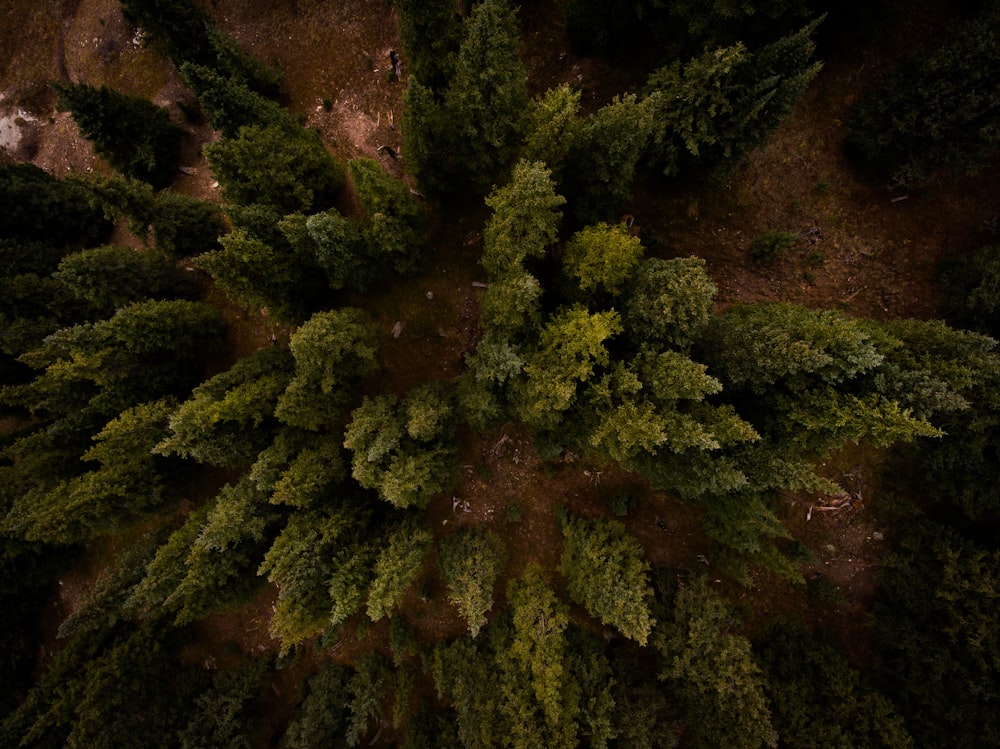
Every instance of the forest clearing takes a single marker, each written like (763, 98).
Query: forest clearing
(456, 374)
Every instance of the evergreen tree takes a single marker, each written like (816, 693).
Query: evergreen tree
(552, 127)
(229, 418)
(938, 110)
(321, 717)
(129, 482)
(602, 164)
(471, 560)
(605, 572)
(670, 302)
(403, 449)
(602, 258)
(258, 274)
(570, 347)
(35, 206)
(135, 136)
(431, 37)
(267, 164)
(110, 277)
(487, 97)
(712, 669)
(398, 565)
(331, 350)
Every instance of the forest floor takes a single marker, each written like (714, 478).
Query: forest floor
(861, 248)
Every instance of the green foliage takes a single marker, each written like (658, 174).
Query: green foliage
(670, 303)
(756, 346)
(488, 93)
(144, 351)
(712, 670)
(404, 449)
(259, 274)
(464, 674)
(224, 714)
(34, 206)
(603, 161)
(471, 560)
(337, 244)
(186, 33)
(322, 715)
(431, 37)
(602, 257)
(331, 350)
(395, 228)
(397, 566)
(535, 685)
(104, 690)
(468, 127)
(552, 127)
(184, 226)
(770, 245)
(300, 563)
(208, 563)
(938, 110)
(230, 417)
(605, 572)
(270, 165)
(972, 291)
(937, 638)
(819, 700)
(367, 688)
(127, 484)
(425, 137)
(134, 135)
(310, 476)
(110, 277)
(720, 105)
(230, 104)
(570, 347)
(525, 220)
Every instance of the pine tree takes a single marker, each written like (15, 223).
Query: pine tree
(471, 560)
(605, 571)
(135, 136)
(487, 97)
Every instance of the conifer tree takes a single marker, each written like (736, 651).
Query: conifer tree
(471, 560)
(605, 572)
(134, 135)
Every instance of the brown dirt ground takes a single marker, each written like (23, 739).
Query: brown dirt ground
(859, 251)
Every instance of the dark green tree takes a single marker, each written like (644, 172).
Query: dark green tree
(269, 165)
(111, 277)
(331, 350)
(134, 135)
(229, 103)
(939, 110)
(129, 482)
(258, 274)
(710, 665)
(397, 566)
(35, 206)
(487, 97)
(431, 36)
(229, 418)
(670, 302)
(403, 448)
(321, 718)
(187, 34)
(938, 648)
